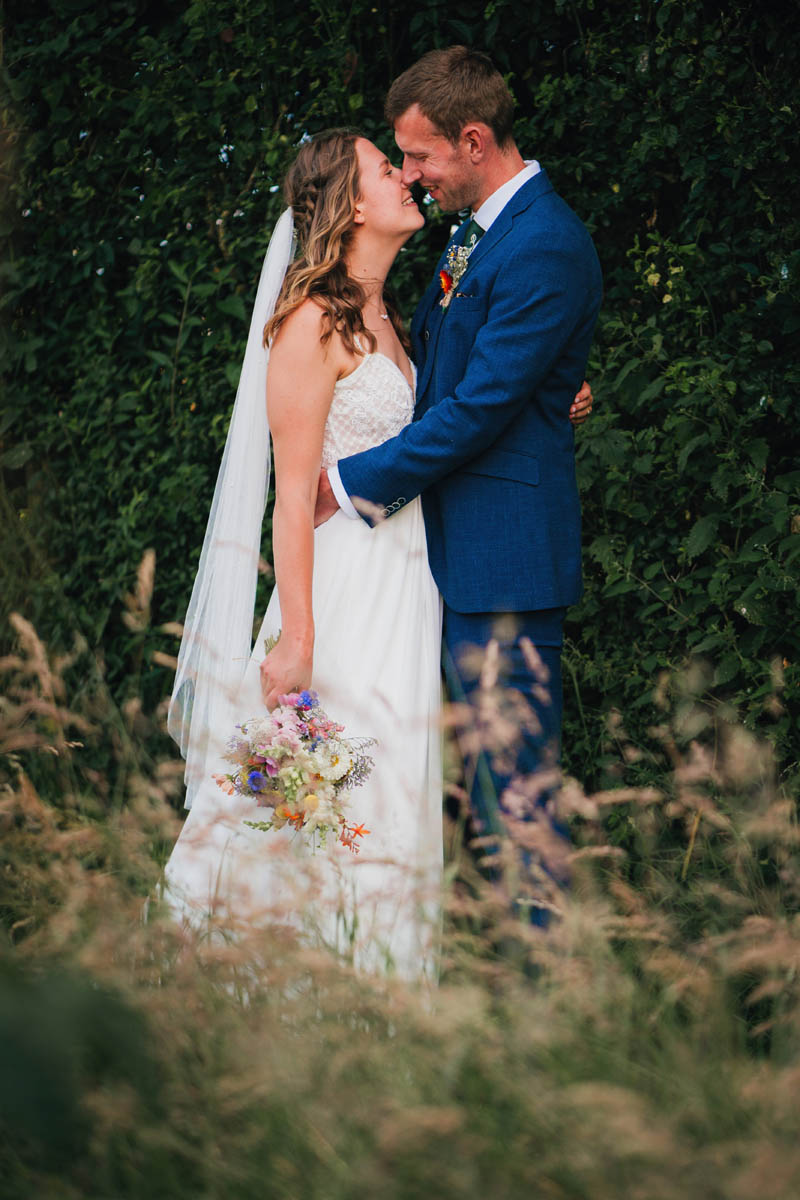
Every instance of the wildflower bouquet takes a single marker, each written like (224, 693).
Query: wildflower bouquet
(295, 762)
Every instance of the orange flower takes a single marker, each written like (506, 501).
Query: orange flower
(349, 834)
(446, 280)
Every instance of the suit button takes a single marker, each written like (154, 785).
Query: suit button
(427, 335)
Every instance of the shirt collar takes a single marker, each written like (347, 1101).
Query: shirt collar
(491, 208)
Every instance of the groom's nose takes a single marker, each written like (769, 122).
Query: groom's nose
(410, 172)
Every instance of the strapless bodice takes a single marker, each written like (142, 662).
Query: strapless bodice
(371, 404)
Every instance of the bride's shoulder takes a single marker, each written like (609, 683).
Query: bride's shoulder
(304, 332)
(306, 322)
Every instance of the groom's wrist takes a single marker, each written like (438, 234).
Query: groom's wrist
(340, 494)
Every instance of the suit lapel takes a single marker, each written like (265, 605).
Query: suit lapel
(428, 319)
(522, 199)
(429, 316)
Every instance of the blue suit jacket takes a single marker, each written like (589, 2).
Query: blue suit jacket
(491, 447)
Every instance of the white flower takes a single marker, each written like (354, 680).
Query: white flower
(333, 760)
(260, 729)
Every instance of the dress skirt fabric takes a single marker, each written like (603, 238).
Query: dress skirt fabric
(376, 668)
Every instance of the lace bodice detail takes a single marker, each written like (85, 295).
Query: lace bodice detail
(369, 405)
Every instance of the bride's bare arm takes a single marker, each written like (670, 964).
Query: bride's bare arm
(300, 381)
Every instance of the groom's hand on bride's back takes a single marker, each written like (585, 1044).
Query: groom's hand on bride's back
(581, 407)
(327, 504)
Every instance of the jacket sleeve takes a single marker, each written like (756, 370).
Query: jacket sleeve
(532, 314)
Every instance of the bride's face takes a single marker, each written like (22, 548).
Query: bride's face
(385, 205)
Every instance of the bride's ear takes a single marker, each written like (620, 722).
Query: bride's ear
(358, 215)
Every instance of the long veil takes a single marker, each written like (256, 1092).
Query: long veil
(218, 628)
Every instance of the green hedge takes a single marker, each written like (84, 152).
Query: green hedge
(145, 142)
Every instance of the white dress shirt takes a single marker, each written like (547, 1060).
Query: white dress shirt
(488, 212)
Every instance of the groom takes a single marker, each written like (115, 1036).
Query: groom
(501, 338)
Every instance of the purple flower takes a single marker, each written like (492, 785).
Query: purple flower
(303, 701)
(256, 781)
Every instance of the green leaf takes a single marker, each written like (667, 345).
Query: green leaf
(653, 389)
(7, 419)
(727, 670)
(233, 306)
(687, 450)
(701, 535)
(178, 270)
(17, 456)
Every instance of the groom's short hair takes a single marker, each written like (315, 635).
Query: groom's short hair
(453, 87)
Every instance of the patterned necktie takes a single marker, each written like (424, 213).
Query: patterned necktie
(473, 235)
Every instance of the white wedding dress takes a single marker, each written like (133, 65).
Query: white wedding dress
(376, 668)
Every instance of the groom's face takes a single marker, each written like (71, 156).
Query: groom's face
(442, 167)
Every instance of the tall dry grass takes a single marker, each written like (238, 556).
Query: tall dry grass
(644, 1046)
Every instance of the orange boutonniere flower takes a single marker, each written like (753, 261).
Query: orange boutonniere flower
(457, 259)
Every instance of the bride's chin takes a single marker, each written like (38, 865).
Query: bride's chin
(416, 221)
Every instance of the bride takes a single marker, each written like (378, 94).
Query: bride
(356, 607)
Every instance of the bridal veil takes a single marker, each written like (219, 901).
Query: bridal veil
(218, 628)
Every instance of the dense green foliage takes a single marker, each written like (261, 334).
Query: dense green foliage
(145, 142)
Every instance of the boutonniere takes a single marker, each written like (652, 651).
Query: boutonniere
(457, 259)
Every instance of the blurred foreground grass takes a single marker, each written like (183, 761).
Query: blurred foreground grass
(645, 1046)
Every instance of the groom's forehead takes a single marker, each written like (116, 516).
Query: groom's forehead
(416, 133)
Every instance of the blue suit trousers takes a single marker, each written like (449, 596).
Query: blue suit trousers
(465, 637)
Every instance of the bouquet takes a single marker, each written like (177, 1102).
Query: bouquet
(295, 762)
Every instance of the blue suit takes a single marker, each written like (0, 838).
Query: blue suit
(491, 448)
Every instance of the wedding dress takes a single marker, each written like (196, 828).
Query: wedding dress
(376, 668)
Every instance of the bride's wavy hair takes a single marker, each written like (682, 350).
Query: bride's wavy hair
(323, 187)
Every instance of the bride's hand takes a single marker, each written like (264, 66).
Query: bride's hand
(287, 668)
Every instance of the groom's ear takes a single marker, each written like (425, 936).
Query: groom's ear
(475, 138)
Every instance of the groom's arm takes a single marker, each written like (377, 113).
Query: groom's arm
(331, 495)
(513, 351)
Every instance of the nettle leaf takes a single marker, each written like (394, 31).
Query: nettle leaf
(727, 669)
(233, 306)
(701, 535)
(758, 452)
(686, 451)
(653, 389)
(722, 480)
